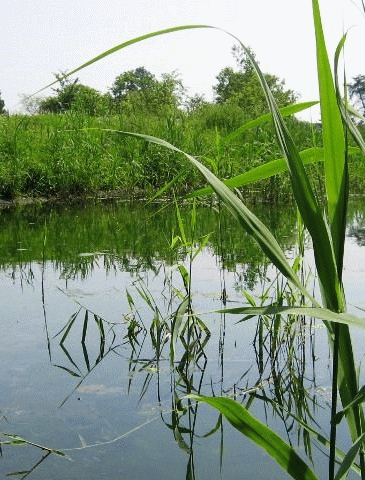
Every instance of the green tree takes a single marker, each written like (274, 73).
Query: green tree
(194, 103)
(140, 90)
(132, 81)
(72, 95)
(2, 105)
(242, 87)
(357, 91)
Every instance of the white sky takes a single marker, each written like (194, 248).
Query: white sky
(42, 37)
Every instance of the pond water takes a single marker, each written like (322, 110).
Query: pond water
(87, 295)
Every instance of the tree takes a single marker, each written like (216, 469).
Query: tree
(194, 103)
(242, 87)
(357, 91)
(132, 81)
(140, 89)
(64, 95)
(73, 95)
(2, 105)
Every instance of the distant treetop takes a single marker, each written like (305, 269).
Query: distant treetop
(242, 87)
(2, 105)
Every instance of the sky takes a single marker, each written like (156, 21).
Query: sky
(43, 37)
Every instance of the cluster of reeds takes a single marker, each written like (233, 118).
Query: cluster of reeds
(72, 153)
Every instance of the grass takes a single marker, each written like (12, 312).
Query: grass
(77, 154)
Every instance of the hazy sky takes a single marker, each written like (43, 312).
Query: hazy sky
(42, 37)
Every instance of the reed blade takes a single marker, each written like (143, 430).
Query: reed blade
(240, 418)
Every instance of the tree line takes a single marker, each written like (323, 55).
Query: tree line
(139, 90)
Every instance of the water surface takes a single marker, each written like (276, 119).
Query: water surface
(105, 400)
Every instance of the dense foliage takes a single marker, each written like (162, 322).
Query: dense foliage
(70, 94)
(242, 88)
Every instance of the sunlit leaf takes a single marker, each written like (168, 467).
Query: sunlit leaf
(240, 418)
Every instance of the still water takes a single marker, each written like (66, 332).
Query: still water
(81, 372)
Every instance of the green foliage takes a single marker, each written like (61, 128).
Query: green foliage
(226, 117)
(194, 103)
(139, 89)
(132, 81)
(316, 216)
(241, 419)
(242, 88)
(71, 95)
(357, 91)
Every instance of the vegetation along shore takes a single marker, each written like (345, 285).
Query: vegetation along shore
(68, 145)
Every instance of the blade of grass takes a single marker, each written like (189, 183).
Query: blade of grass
(321, 313)
(337, 191)
(350, 458)
(269, 169)
(306, 201)
(345, 109)
(333, 144)
(240, 418)
(285, 112)
(119, 47)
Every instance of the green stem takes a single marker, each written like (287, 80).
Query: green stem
(332, 459)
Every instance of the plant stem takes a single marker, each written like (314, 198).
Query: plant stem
(332, 459)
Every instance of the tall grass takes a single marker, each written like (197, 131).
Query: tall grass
(73, 154)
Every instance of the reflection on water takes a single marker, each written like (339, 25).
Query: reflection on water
(101, 341)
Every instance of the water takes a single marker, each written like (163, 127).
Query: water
(109, 407)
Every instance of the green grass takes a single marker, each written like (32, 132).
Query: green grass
(70, 154)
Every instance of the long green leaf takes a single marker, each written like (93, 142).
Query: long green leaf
(123, 45)
(359, 398)
(306, 201)
(240, 418)
(321, 313)
(346, 109)
(336, 175)
(269, 169)
(350, 458)
(175, 328)
(340, 454)
(285, 112)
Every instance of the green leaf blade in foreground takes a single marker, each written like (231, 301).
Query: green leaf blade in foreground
(350, 458)
(261, 435)
(267, 170)
(311, 312)
(285, 112)
(347, 109)
(121, 46)
(336, 174)
(309, 208)
(337, 190)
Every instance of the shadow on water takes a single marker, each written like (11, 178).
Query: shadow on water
(171, 349)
